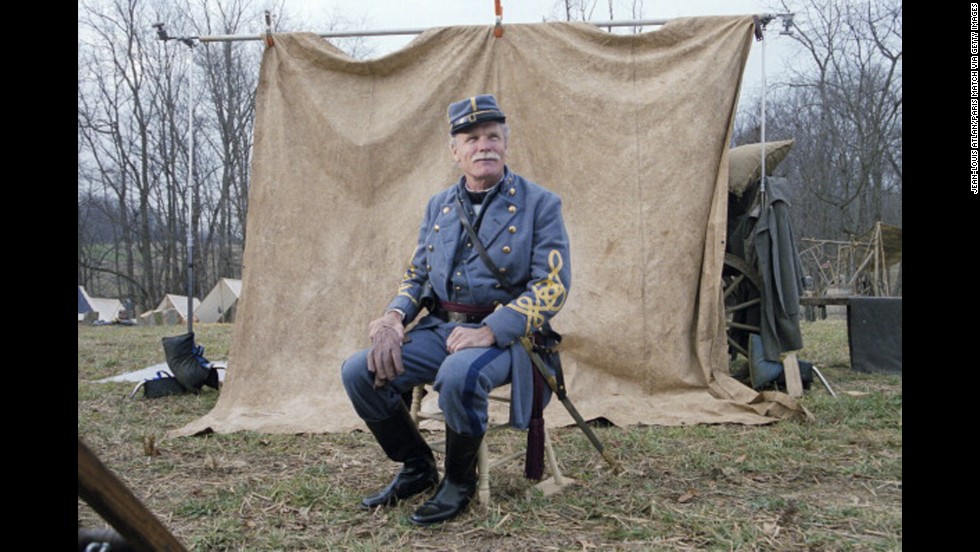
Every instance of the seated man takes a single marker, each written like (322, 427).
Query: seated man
(491, 267)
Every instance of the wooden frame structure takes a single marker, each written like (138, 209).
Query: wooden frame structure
(862, 266)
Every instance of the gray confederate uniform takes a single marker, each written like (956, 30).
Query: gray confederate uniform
(522, 229)
(519, 223)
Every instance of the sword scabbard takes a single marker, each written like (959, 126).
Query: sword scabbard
(563, 397)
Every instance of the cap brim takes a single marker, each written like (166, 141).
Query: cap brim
(479, 120)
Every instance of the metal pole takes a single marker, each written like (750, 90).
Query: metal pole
(787, 19)
(190, 184)
(762, 184)
(163, 35)
(419, 30)
(823, 380)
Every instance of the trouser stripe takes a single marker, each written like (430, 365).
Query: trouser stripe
(469, 389)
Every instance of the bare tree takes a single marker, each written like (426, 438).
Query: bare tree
(842, 103)
(577, 10)
(357, 47)
(139, 198)
(116, 111)
(228, 75)
(585, 10)
(851, 90)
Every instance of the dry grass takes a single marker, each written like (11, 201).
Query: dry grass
(831, 484)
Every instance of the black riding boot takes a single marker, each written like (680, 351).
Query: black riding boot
(459, 484)
(400, 438)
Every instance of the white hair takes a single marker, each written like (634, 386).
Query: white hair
(452, 137)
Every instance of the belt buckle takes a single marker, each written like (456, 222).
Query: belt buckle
(457, 317)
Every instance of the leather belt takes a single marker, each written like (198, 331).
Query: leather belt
(461, 313)
(464, 317)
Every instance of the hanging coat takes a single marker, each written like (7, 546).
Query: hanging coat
(779, 265)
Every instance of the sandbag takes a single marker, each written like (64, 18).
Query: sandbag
(187, 363)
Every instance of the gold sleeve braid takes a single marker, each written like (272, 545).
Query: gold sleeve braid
(407, 284)
(548, 295)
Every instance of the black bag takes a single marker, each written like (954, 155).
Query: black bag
(161, 386)
(187, 363)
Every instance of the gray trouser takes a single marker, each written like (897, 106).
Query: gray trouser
(463, 379)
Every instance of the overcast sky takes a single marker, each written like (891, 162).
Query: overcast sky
(412, 14)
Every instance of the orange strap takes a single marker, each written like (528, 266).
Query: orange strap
(498, 29)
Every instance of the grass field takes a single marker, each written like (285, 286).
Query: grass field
(834, 483)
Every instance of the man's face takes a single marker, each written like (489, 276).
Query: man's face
(480, 151)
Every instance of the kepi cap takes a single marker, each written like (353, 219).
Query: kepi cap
(473, 110)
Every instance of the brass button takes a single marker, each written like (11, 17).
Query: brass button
(445, 210)
(459, 273)
(468, 244)
(512, 229)
(506, 249)
(503, 270)
(436, 228)
(428, 268)
(457, 288)
(512, 209)
(430, 248)
(512, 191)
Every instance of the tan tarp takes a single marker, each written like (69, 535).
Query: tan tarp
(631, 130)
(745, 163)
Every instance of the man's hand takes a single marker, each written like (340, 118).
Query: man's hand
(385, 357)
(463, 338)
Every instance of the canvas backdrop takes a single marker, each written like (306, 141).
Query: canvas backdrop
(632, 131)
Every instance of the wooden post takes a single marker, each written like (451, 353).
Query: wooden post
(794, 382)
(110, 497)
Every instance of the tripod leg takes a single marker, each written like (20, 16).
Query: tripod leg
(824, 381)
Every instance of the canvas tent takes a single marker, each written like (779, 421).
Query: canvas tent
(97, 308)
(219, 304)
(632, 131)
(84, 304)
(172, 310)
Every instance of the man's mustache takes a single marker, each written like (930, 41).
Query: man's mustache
(487, 157)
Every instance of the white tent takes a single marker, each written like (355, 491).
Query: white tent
(97, 308)
(84, 304)
(219, 304)
(172, 310)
